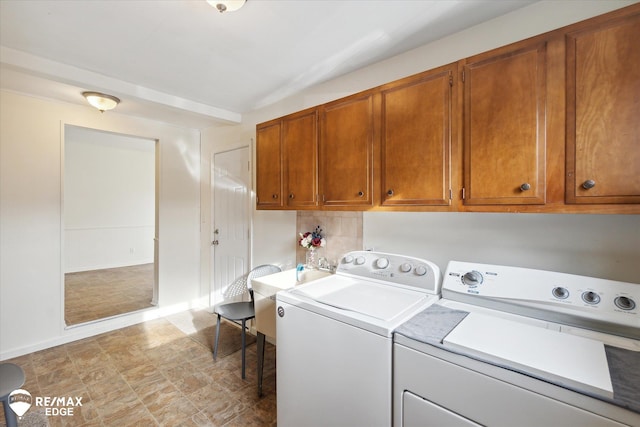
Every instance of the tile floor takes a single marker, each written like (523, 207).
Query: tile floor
(152, 374)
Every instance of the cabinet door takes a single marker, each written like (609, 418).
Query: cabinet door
(603, 113)
(504, 127)
(300, 155)
(416, 140)
(346, 151)
(268, 166)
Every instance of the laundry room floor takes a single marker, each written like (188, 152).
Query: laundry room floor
(151, 374)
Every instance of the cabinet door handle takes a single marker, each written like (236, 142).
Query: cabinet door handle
(390, 192)
(291, 196)
(588, 184)
(526, 186)
(360, 194)
(275, 196)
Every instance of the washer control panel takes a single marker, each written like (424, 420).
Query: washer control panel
(397, 269)
(563, 297)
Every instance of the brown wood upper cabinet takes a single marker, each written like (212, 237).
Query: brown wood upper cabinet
(603, 112)
(347, 136)
(416, 139)
(269, 165)
(504, 126)
(548, 124)
(287, 161)
(300, 157)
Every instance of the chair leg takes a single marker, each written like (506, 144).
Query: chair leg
(215, 347)
(260, 355)
(9, 415)
(244, 340)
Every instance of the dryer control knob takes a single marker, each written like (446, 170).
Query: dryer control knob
(625, 303)
(360, 260)
(590, 297)
(405, 267)
(348, 259)
(382, 263)
(472, 278)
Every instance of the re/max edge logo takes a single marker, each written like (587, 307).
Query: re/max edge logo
(61, 405)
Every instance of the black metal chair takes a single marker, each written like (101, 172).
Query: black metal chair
(243, 310)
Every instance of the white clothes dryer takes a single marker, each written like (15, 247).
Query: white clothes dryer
(509, 346)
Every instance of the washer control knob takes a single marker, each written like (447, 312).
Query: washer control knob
(382, 263)
(360, 260)
(405, 267)
(472, 278)
(348, 259)
(421, 270)
(590, 297)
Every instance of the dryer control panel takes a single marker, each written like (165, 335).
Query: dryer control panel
(589, 302)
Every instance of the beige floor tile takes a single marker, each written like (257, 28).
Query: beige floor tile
(153, 374)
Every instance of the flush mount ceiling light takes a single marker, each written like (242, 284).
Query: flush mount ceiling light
(101, 101)
(226, 5)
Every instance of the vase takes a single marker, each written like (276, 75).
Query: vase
(310, 258)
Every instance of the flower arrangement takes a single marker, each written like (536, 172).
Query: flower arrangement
(312, 239)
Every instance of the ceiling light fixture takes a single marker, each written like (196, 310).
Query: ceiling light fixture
(101, 101)
(226, 5)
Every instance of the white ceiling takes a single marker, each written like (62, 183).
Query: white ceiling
(182, 62)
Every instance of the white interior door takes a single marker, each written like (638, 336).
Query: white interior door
(231, 200)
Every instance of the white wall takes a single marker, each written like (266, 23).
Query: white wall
(31, 276)
(606, 246)
(109, 199)
(599, 245)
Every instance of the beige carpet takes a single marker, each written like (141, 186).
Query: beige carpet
(34, 417)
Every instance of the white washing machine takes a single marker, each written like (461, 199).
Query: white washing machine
(508, 346)
(335, 339)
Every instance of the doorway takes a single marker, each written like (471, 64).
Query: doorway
(231, 176)
(110, 224)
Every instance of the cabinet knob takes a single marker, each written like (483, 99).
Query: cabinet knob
(390, 192)
(360, 194)
(291, 196)
(275, 196)
(588, 184)
(526, 186)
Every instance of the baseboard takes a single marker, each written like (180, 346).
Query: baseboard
(89, 329)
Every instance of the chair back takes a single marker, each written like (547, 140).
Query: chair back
(237, 288)
(242, 284)
(261, 270)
